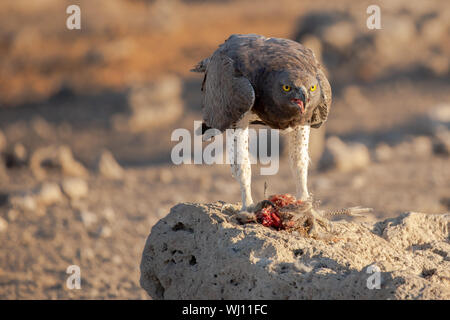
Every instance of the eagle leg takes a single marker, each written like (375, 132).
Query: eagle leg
(240, 164)
(298, 140)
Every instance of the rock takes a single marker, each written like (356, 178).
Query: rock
(13, 214)
(109, 214)
(42, 128)
(420, 146)
(104, 232)
(339, 35)
(199, 252)
(344, 156)
(48, 193)
(154, 105)
(3, 225)
(88, 218)
(53, 157)
(383, 152)
(69, 165)
(108, 166)
(75, 188)
(438, 119)
(24, 202)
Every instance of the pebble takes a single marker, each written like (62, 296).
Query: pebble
(3, 225)
(49, 193)
(343, 156)
(75, 188)
(383, 152)
(108, 166)
(88, 218)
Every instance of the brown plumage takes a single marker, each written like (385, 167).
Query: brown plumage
(247, 72)
(277, 82)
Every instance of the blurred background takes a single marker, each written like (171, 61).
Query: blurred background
(86, 117)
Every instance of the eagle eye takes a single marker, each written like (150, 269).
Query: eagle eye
(313, 88)
(286, 88)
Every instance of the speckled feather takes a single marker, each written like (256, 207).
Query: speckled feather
(238, 79)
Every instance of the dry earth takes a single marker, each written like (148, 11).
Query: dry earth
(82, 89)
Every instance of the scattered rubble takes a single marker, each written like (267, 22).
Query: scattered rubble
(60, 158)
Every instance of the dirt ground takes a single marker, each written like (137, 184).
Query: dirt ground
(60, 87)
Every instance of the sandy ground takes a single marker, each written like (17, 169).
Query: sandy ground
(37, 246)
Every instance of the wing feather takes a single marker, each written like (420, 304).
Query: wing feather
(227, 94)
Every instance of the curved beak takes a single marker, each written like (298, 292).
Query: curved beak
(300, 100)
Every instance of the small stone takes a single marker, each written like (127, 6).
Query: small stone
(105, 232)
(156, 104)
(49, 193)
(3, 225)
(69, 165)
(88, 254)
(13, 215)
(23, 202)
(60, 158)
(438, 118)
(20, 152)
(383, 152)
(422, 146)
(340, 35)
(42, 128)
(108, 166)
(345, 157)
(75, 188)
(109, 214)
(88, 218)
